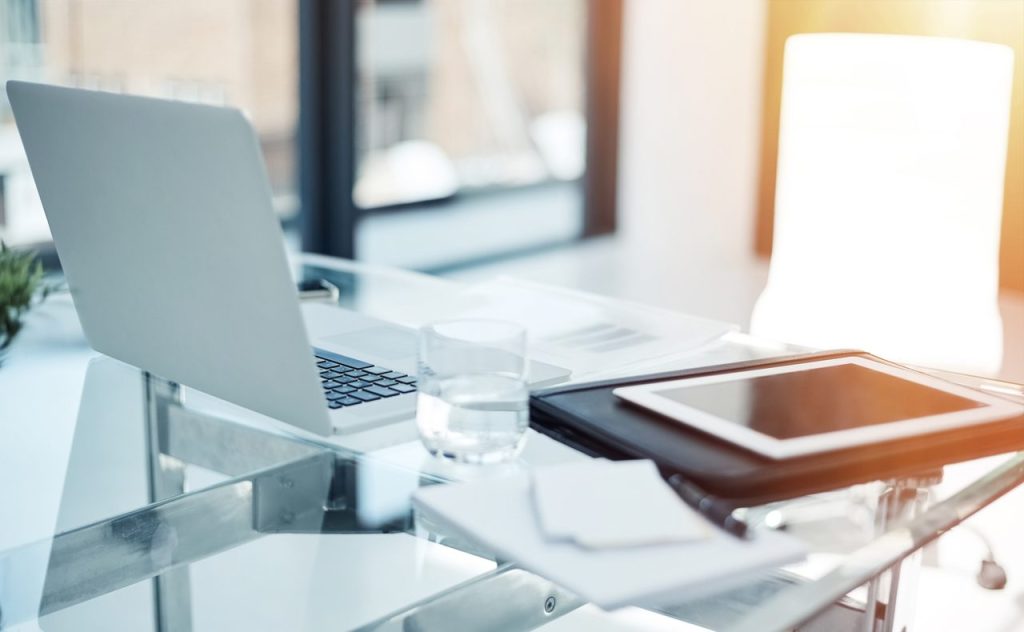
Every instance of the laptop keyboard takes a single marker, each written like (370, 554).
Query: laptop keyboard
(350, 382)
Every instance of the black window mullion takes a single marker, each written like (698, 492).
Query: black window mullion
(327, 122)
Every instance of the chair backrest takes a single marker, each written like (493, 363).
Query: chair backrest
(892, 158)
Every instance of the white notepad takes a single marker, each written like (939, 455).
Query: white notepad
(499, 514)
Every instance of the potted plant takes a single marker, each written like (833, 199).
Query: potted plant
(21, 287)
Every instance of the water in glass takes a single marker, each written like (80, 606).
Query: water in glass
(473, 395)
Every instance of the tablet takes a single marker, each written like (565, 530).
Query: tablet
(818, 406)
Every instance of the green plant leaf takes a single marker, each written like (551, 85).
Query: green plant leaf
(21, 281)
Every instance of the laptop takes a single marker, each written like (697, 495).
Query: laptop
(161, 215)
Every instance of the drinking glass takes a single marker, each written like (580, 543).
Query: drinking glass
(473, 398)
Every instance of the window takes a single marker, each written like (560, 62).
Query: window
(424, 133)
(468, 123)
(478, 95)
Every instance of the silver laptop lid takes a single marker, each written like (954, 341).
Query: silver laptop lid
(161, 215)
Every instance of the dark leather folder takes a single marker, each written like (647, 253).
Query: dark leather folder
(589, 418)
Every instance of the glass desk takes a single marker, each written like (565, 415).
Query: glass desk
(130, 503)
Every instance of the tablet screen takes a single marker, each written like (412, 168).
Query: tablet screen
(815, 401)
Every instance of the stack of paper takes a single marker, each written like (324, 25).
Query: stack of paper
(608, 549)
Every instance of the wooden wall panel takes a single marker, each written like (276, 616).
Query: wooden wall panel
(1000, 21)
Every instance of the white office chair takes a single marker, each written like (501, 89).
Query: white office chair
(892, 156)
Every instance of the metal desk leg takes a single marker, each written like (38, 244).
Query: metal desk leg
(793, 607)
(172, 592)
(896, 589)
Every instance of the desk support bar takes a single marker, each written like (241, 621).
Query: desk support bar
(111, 554)
(507, 598)
(96, 559)
(791, 608)
(224, 446)
(313, 494)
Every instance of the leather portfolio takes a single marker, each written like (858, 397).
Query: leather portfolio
(590, 418)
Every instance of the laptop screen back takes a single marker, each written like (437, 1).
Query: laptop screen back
(161, 215)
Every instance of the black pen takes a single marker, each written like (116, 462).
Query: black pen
(714, 509)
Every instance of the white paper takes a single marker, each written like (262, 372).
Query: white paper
(499, 515)
(607, 504)
(586, 333)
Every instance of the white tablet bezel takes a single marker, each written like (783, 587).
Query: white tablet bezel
(647, 396)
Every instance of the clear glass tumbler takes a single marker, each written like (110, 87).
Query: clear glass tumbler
(473, 396)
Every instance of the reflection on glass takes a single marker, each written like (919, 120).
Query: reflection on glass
(467, 94)
(238, 53)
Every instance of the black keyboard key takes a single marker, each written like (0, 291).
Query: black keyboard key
(329, 384)
(333, 395)
(358, 384)
(381, 382)
(351, 363)
(408, 379)
(380, 390)
(403, 388)
(370, 378)
(326, 364)
(329, 374)
(366, 397)
(344, 390)
(394, 375)
(350, 401)
(355, 373)
(377, 370)
(334, 404)
(344, 380)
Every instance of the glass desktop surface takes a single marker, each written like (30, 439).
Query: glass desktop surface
(130, 504)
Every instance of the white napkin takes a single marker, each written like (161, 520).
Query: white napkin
(607, 504)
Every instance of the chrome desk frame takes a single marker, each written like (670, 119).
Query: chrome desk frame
(287, 485)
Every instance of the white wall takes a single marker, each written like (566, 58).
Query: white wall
(690, 125)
